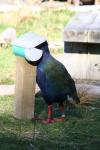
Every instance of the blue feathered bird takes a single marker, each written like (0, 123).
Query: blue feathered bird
(55, 82)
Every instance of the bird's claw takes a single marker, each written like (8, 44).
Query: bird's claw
(47, 121)
(59, 119)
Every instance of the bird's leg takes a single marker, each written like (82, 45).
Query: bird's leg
(60, 119)
(50, 113)
(61, 106)
(49, 119)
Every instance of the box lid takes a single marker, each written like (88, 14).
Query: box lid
(29, 40)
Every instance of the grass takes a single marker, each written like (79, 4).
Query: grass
(80, 130)
(7, 66)
(49, 23)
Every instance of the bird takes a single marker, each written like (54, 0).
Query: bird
(55, 83)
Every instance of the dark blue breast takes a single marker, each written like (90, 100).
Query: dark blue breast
(53, 79)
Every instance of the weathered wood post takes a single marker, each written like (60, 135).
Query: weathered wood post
(24, 46)
(24, 89)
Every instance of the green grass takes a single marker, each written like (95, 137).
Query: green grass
(49, 23)
(80, 130)
(7, 66)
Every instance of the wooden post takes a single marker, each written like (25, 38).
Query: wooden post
(97, 2)
(24, 89)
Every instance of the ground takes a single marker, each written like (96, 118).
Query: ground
(79, 131)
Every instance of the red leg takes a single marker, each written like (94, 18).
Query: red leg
(62, 110)
(60, 119)
(49, 119)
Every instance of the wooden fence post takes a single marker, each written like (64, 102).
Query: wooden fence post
(24, 89)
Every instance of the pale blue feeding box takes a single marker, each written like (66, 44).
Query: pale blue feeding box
(25, 46)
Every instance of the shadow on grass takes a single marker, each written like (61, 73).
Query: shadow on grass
(79, 131)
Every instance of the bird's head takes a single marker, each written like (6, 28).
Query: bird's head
(43, 47)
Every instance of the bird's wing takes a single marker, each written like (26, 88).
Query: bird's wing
(41, 79)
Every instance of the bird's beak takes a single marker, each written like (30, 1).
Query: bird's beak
(33, 54)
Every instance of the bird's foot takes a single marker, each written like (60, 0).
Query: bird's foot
(47, 121)
(59, 119)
